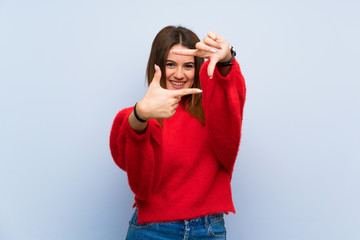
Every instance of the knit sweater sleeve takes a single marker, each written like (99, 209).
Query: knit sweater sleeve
(223, 103)
(137, 154)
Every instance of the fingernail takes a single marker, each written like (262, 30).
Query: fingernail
(213, 50)
(219, 47)
(199, 91)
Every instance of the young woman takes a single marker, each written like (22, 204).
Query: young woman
(179, 143)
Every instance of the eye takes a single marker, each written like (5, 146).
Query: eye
(189, 66)
(170, 64)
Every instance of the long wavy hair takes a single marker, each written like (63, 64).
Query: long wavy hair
(163, 42)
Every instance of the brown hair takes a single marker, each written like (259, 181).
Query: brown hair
(163, 42)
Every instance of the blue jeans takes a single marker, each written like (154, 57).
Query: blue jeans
(205, 227)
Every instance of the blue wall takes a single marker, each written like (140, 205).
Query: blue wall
(67, 67)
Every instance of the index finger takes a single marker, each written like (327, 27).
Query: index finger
(186, 91)
(185, 52)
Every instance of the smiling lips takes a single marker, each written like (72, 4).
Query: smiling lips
(177, 84)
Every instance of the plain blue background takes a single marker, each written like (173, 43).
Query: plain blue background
(67, 67)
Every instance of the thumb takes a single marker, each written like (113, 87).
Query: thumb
(211, 67)
(157, 75)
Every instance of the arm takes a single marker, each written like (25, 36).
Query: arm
(139, 127)
(138, 154)
(223, 97)
(224, 70)
(223, 103)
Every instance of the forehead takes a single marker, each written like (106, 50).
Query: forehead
(179, 58)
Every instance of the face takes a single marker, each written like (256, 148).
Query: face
(180, 70)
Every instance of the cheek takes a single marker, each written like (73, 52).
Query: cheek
(168, 73)
(191, 77)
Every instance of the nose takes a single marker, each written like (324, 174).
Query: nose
(179, 73)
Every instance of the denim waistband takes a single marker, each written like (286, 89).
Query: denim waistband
(206, 219)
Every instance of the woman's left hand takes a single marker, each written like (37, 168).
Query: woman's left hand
(213, 47)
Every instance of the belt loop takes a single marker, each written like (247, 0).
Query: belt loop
(206, 222)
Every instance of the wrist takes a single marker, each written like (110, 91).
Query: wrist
(229, 58)
(139, 112)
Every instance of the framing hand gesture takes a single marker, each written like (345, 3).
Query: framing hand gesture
(159, 102)
(213, 47)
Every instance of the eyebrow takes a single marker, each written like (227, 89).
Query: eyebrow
(184, 63)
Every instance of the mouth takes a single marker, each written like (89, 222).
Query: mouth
(177, 84)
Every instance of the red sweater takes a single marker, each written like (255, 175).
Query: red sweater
(184, 169)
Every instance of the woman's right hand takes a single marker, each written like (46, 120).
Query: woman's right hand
(159, 102)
